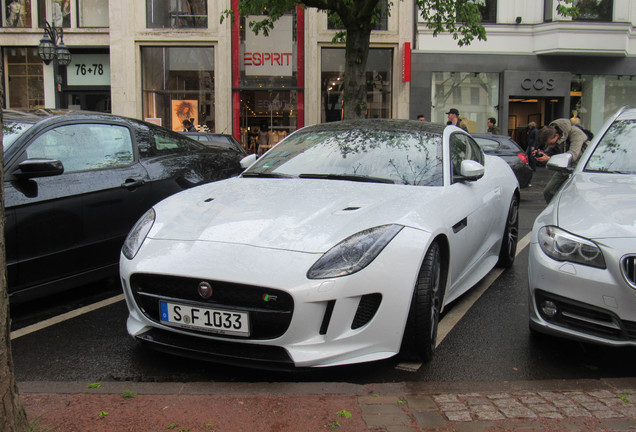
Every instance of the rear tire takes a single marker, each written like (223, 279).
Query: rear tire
(420, 334)
(508, 251)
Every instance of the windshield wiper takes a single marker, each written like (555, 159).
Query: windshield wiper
(351, 177)
(265, 175)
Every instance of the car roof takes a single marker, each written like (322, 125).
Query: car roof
(378, 124)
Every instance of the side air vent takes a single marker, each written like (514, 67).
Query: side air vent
(367, 308)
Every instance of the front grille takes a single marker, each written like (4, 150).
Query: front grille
(270, 310)
(587, 319)
(367, 308)
(235, 354)
(628, 267)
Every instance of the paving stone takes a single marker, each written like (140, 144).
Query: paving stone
(395, 428)
(430, 419)
(602, 394)
(452, 407)
(542, 408)
(518, 412)
(581, 398)
(507, 403)
(594, 406)
(473, 427)
(421, 403)
(499, 396)
(551, 415)
(532, 400)
(488, 415)
(629, 410)
(468, 395)
(472, 401)
(606, 414)
(460, 416)
(575, 412)
(445, 398)
(564, 403)
(614, 402)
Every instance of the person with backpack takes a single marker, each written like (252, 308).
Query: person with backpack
(560, 136)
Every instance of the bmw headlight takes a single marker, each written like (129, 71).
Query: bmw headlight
(138, 234)
(354, 253)
(561, 245)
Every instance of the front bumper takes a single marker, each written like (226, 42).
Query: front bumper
(592, 305)
(325, 328)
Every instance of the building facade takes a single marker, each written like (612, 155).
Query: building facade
(535, 66)
(169, 60)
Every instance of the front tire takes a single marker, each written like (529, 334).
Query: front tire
(420, 334)
(508, 251)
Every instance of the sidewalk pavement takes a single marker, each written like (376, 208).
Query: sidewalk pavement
(558, 405)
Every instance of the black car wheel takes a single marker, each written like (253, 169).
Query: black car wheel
(420, 335)
(508, 250)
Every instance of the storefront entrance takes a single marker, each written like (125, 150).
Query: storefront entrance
(266, 117)
(523, 110)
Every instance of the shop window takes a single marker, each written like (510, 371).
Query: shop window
(178, 84)
(382, 21)
(176, 13)
(56, 12)
(16, 13)
(594, 10)
(474, 95)
(488, 10)
(92, 13)
(379, 80)
(26, 85)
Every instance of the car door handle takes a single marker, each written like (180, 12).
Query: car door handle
(132, 183)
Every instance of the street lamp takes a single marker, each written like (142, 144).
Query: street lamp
(52, 49)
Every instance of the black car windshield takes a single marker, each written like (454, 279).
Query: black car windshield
(616, 152)
(11, 131)
(370, 155)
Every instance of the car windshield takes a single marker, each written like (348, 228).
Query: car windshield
(401, 157)
(11, 131)
(616, 152)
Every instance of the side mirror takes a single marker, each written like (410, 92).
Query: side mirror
(248, 160)
(34, 168)
(561, 162)
(470, 170)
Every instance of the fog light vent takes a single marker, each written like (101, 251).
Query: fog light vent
(549, 308)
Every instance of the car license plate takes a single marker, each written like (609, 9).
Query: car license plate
(212, 320)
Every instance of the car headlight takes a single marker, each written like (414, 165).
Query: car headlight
(354, 253)
(138, 234)
(561, 245)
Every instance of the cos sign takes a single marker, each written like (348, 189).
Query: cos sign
(537, 84)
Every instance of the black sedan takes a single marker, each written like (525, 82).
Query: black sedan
(76, 183)
(216, 140)
(504, 147)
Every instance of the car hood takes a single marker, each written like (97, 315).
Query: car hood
(292, 214)
(597, 205)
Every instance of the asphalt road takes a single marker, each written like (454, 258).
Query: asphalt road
(490, 343)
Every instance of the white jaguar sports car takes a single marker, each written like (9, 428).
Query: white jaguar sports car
(342, 244)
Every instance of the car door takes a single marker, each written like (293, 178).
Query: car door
(473, 201)
(73, 223)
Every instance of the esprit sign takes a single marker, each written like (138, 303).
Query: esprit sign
(271, 55)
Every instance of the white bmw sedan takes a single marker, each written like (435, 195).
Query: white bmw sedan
(342, 244)
(582, 267)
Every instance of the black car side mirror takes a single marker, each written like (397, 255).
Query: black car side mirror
(33, 168)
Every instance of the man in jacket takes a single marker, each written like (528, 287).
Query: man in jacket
(560, 136)
(453, 119)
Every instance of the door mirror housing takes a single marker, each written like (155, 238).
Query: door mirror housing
(248, 160)
(470, 170)
(561, 162)
(34, 168)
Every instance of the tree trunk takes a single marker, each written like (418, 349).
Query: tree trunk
(355, 80)
(12, 415)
